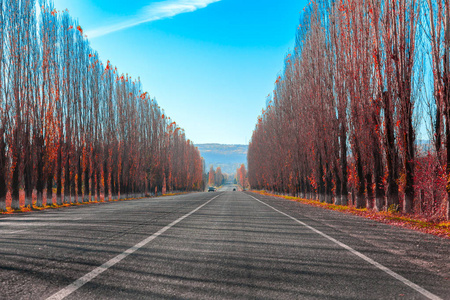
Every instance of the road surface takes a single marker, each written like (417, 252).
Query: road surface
(228, 188)
(221, 245)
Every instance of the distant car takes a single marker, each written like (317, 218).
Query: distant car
(211, 189)
(234, 189)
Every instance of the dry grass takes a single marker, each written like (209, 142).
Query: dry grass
(415, 222)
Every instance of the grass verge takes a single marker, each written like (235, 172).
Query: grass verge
(414, 222)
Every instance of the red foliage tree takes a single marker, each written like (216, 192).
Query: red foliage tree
(73, 129)
(341, 116)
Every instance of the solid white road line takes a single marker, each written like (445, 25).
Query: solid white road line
(97, 271)
(11, 232)
(414, 286)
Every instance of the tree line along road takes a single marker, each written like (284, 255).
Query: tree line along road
(223, 245)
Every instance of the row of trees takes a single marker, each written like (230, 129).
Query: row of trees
(345, 111)
(216, 177)
(241, 176)
(71, 127)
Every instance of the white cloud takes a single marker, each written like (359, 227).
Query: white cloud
(153, 12)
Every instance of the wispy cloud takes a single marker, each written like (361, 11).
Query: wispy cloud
(153, 12)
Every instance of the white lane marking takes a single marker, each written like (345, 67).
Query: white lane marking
(43, 218)
(97, 271)
(10, 232)
(37, 224)
(399, 277)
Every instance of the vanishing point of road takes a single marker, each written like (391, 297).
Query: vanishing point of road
(221, 245)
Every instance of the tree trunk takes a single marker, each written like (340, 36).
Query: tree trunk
(360, 200)
(343, 161)
(391, 155)
(370, 190)
(15, 188)
(3, 187)
(409, 164)
(338, 183)
(60, 177)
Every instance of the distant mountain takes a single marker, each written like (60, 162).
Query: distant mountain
(227, 157)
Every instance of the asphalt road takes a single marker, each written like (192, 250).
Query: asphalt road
(228, 188)
(222, 245)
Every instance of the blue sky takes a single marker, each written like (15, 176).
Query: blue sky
(209, 63)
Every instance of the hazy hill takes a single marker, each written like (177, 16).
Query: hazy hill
(227, 157)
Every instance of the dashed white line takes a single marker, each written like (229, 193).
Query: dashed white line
(97, 271)
(412, 285)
